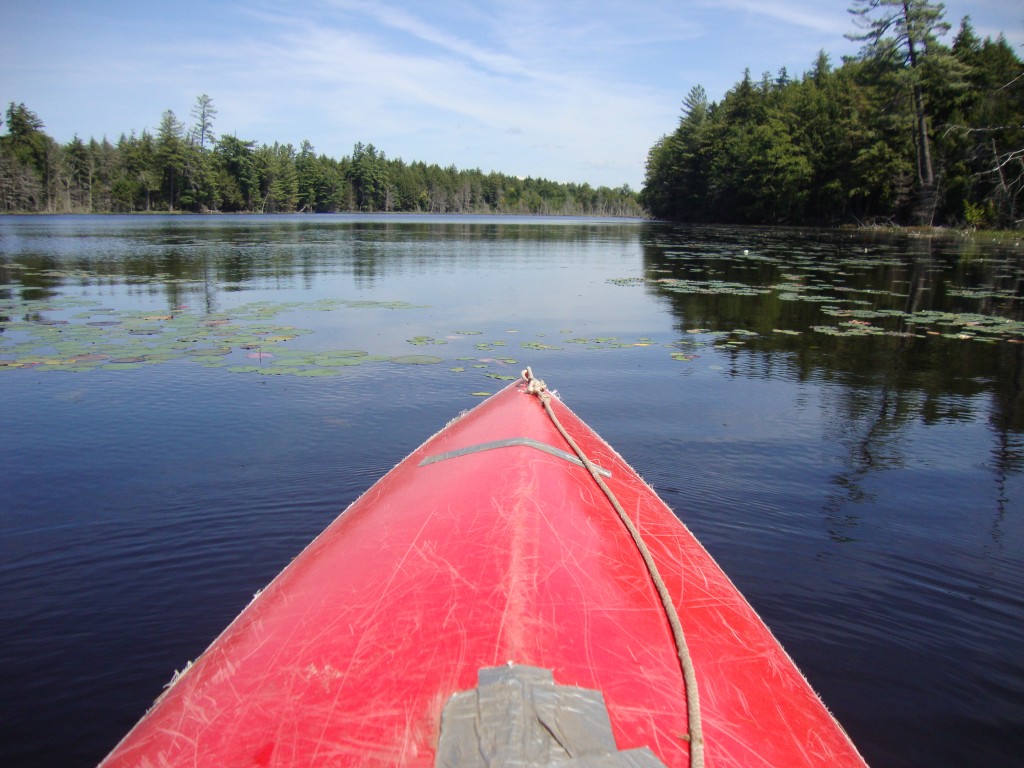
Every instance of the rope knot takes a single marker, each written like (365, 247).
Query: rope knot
(535, 386)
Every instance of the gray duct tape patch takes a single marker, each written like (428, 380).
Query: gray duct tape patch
(517, 717)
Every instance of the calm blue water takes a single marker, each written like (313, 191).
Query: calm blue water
(838, 417)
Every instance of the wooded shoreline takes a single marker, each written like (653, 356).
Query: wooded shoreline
(186, 169)
(910, 132)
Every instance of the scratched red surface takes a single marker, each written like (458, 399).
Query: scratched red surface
(349, 655)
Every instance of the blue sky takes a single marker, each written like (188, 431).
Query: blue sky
(570, 90)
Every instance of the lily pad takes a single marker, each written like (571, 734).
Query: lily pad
(423, 340)
(537, 345)
(209, 352)
(344, 353)
(332, 361)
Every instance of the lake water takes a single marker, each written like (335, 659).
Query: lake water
(186, 402)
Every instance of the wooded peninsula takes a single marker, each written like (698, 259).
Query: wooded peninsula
(910, 131)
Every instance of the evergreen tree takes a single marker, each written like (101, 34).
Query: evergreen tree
(170, 157)
(309, 182)
(140, 178)
(78, 162)
(675, 184)
(105, 162)
(27, 167)
(203, 113)
(278, 178)
(238, 182)
(907, 31)
(370, 179)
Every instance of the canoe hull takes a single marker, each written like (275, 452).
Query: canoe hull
(480, 549)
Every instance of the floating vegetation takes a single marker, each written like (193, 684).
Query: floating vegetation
(424, 340)
(986, 292)
(362, 304)
(846, 289)
(961, 326)
(30, 338)
(537, 345)
(709, 287)
(340, 357)
(733, 300)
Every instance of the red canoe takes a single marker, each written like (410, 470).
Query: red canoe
(484, 604)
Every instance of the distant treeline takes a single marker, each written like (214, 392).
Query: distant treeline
(908, 132)
(189, 169)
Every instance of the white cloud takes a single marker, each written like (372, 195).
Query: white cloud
(574, 90)
(819, 17)
(448, 95)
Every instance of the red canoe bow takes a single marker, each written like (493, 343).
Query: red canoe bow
(483, 604)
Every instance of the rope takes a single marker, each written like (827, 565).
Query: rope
(695, 735)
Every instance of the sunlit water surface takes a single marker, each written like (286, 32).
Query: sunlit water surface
(186, 402)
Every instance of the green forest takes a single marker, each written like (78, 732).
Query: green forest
(909, 132)
(190, 169)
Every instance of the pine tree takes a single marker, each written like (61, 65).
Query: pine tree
(30, 162)
(907, 31)
(170, 155)
(203, 113)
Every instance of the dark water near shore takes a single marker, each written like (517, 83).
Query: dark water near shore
(186, 402)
